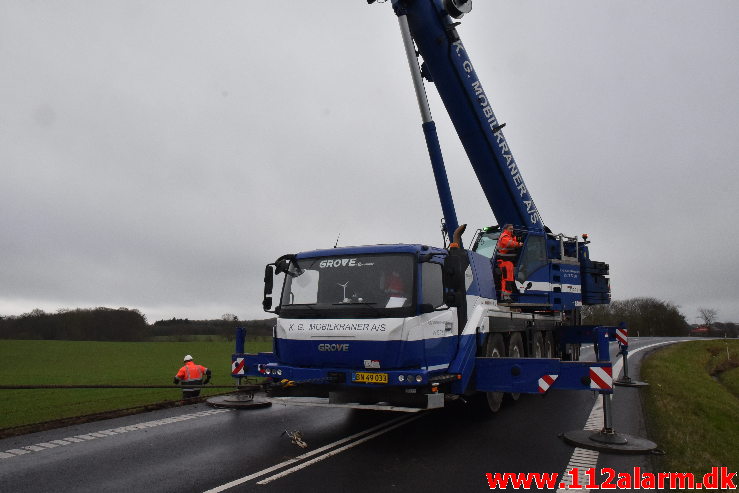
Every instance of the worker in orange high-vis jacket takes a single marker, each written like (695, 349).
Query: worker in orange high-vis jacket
(508, 244)
(192, 374)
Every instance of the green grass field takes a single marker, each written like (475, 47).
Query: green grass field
(693, 404)
(100, 363)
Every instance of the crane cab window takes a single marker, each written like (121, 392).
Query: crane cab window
(533, 257)
(486, 243)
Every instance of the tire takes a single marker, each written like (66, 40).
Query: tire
(537, 349)
(515, 350)
(572, 352)
(490, 401)
(548, 350)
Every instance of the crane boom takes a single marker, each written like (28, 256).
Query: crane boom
(447, 64)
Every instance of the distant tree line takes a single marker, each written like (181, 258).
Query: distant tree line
(81, 324)
(727, 329)
(225, 327)
(716, 329)
(647, 317)
(119, 324)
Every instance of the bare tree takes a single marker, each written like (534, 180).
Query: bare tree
(708, 315)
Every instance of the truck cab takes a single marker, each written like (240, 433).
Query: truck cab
(381, 308)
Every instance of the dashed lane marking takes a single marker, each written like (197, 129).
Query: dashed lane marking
(47, 445)
(34, 448)
(40, 447)
(72, 440)
(17, 451)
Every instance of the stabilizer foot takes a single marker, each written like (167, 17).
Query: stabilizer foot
(619, 443)
(628, 382)
(240, 400)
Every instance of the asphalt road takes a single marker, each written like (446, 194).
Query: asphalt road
(198, 448)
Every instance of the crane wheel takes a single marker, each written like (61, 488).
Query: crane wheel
(548, 351)
(489, 402)
(515, 350)
(537, 348)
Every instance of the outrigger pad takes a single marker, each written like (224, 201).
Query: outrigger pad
(619, 443)
(628, 382)
(239, 400)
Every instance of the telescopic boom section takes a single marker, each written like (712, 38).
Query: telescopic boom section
(429, 132)
(448, 66)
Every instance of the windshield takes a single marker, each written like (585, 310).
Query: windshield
(350, 286)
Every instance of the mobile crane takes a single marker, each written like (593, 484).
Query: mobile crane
(409, 326)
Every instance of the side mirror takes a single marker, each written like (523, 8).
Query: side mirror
(269, 283)
(426, 308)
(282, 266)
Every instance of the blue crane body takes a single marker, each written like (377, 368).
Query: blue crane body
(409, 326)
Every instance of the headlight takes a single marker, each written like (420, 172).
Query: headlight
(401, 378)
(419, 378)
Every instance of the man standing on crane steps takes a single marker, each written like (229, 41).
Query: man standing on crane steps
(191, 374)
(508, 245)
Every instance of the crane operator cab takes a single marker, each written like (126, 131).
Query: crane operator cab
(532, 268)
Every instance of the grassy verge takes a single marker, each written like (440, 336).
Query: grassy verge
(692, 405)
(92, 363)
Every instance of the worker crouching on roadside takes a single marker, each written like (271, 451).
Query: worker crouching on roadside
(192, 374)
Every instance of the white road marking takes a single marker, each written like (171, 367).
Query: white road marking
(73, 440)
(47, 444)
(34, 448)
(585, 459)
(372, 432)
(338, 450)
(17, 451)
(85, 437)
(40, 447)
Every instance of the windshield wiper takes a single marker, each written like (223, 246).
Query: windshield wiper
(354, 303)
(369, 304)
(312, 306)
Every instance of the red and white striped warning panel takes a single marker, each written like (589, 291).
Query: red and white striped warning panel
(546, 381)
(237, 367)
(601, 378)
(622, 336)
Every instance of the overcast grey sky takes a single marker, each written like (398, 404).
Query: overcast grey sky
(157, 154)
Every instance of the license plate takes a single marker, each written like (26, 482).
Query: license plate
(367, 377)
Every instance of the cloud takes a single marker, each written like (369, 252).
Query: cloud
(158, 155)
